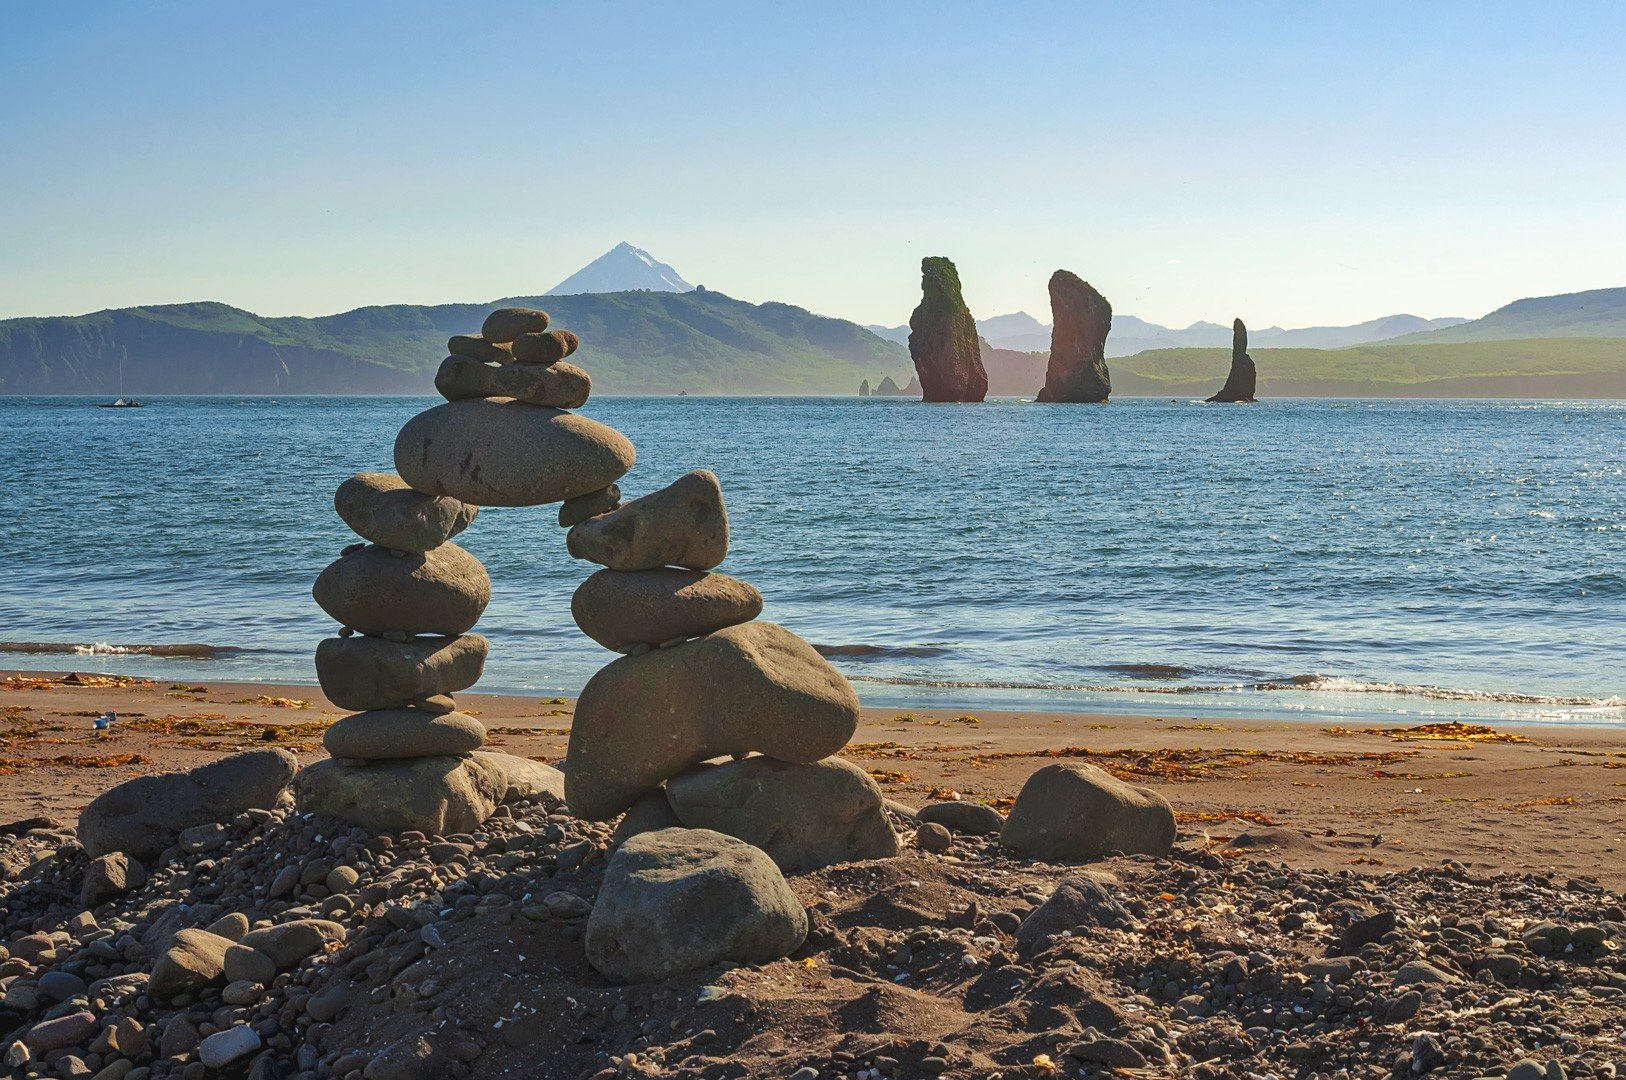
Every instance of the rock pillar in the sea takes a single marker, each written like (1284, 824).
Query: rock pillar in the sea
(943, 338)
(1239, 385)
(1077, 371)
(863, 388)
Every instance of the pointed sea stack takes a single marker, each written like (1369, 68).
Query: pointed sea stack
(1078, 367)
(943, 338)
(1239, 385)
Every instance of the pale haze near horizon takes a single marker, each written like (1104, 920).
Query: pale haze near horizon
(1193, 161)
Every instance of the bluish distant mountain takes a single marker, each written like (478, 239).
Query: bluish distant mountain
(623, 268)
(1596, 313)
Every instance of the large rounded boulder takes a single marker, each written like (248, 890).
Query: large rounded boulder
(365, 673)
(1072, 812)
(805, 816)
(676, 900)
(501, 452)
(753, 688)
(437, 796)
(144, 816)
(374, 591)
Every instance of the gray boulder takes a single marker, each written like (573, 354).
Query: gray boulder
(381, 508)
(680, 899)
(750, 688)
(969, 818)
(437, 796)
(499, 452)
(559, 386)
(440, 592)
(1072, 812)
(804, 816)
(291, 942)
(545, 349)
(110, 876)
(192, 960)
(477, 347)
(683, 524)
(403, 733)
(144, 816)
(1077, 902)
(365, 673)
(648, 607)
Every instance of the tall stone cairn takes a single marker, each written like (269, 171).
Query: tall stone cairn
(699, 679)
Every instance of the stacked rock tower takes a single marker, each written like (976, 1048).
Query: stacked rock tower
(700, 678)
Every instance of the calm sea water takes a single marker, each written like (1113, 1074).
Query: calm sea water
(1432, 559)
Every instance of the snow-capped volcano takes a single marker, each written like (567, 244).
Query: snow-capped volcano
(623, 268)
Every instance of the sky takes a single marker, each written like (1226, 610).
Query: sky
(1292, 164)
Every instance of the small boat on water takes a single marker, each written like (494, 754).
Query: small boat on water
(121, 403)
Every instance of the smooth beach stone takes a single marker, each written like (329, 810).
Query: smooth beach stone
(1072, 812)
(805, 816)
(442, 591)
(505, 324)
(651, 606)
(381, 507)
(288, 943)
(548, 348)
(499, 452)
(192, 960)
(755, 687)
(144, 816)
(969, 818)
(403, 733)
(683, 524)
(680, 899)
(437, 796)
(365, 673)
(574, 511)
(561, 386)
(1082, 900)
(478, 348)
(649, 813)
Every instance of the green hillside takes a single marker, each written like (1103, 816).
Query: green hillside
(635, 342)
(1599, 313)
(1556, 367)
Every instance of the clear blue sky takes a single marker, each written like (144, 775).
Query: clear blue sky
(1286, 162)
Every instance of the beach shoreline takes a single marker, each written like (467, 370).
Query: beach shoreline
(1369, 797)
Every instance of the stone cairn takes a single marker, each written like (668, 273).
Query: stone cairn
(699, 678)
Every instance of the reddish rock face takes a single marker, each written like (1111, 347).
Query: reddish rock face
(1078, 367)
(943, 338)
(1240, 384)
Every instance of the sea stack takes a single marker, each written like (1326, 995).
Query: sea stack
(1239, 385)
(1077, 371)
(943, 338)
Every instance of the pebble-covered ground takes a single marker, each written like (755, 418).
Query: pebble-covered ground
(463, 958)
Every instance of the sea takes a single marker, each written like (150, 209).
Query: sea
(1320, 559)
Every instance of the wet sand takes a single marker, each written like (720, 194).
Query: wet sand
(1365, 797)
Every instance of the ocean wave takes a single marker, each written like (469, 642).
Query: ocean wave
(1299, 683)
(101, 648)
(867, 652)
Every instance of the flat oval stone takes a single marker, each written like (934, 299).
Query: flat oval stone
(442, 591)
(500, 452)
(479, 348)
(651, 606)
(548, 348)
(403, 733)
(365, 673)
(381, 507)
(683, 524)
(561, 386)
(644, 719)
(505, 324)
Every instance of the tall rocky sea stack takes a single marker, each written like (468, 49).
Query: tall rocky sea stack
(1077, 371)
(1240, 384)
(943, 337)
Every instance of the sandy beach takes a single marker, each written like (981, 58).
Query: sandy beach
(1363, 797)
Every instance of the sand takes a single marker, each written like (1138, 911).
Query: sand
(1371, 798)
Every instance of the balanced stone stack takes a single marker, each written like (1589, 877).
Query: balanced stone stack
(407, 599)
(701, 680)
